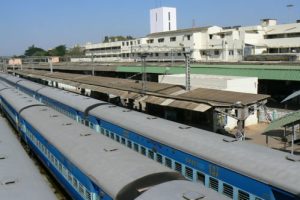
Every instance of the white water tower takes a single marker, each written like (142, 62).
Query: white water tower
(163, 19)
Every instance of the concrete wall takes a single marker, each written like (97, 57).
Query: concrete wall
(227, 83)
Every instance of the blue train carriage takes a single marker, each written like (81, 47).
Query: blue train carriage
(240, 170)
(88, 165)
(74, 105)
(12, 102)
(10, 79)
(155, 139)
(19, 177)
(82, 176)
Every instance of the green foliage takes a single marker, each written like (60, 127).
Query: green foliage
(75, 51)
(58, 51)
(35, 51)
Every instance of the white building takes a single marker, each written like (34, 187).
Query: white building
(212, 43)
(163, 19)
(226, 83)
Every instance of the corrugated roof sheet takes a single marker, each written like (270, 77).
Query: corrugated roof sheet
(284, 121)
(295, 94)
(228, 97)
(158, 93)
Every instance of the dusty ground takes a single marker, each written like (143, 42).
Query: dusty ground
(255, 134)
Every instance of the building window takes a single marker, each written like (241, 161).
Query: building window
(188, 37)
(178, 54)
(156, 54)
(150, 41)
(231, 52)
(123, 43)
(216, 52)
(169, 26)
(166, 54)
(139, 41)
(210, 36)
(173, 39)
(131, 43)
(161, 40)
(127, 43)
(169, 14)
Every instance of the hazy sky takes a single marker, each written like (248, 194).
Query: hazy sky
(48, 23)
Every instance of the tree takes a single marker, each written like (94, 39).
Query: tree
(35, 51)
(58, 51)
(76, 51)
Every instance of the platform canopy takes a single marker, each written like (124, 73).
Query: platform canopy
(287, 120)
(295, 94)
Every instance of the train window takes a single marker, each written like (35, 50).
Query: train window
(159, 158)
(81, 190)
(136, 147)
(129, 144)
(75, 183)
(200, 178)
(228, 190)
(102, 130)
(143, 151)
(112, 135)
(168, 162)
(117, 138)
(123, 140)
(243, 195)
(88, 195)
(214, 184)
(69, 177)
(189, 173)
(178, 167)
(151, 154)
(107, 133)
(60, 167)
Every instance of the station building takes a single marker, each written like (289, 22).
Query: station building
(212, 43)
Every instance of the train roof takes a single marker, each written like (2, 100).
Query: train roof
(109, 164)
(29, 84)
(3, 86)
(79, 102)
(179, 190)
(18, 99)
(12, 79)
(19, 177)
(256, 161)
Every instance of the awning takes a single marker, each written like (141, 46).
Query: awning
(287, 120)
(295, 94)
(200, 107)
